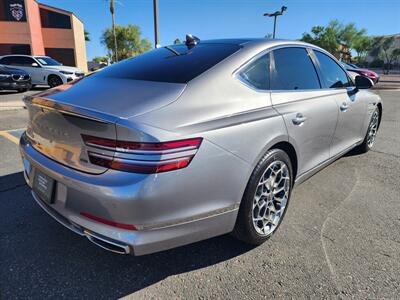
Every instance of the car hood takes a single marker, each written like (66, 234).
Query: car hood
(62, 68)
(6, 70)
(122, 98)
(367, 71)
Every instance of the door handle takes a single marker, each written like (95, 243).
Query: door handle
(344, 106)
(299, 119)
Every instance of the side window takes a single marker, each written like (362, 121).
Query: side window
(22, 61)
(292, 69)
(5, 61)
(256, 74)
(332, 73)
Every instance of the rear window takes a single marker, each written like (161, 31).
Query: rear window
(165, 65)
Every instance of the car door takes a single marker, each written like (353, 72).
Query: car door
(351, 109)
(310, 114)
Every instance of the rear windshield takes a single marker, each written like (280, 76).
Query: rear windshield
(178, 64)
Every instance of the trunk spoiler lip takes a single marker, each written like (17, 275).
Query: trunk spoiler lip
(72, 110)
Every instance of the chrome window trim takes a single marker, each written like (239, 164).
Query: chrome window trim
(236, 72)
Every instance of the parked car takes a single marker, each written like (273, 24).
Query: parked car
(363, 72)
(14, 79)
(43, 70)
(191, 141)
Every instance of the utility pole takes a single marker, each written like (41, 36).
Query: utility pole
(275, 15)
(156, 39)
(113, 29)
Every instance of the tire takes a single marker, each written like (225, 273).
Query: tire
(33, 86)
(54, 81)
(22, 90)
(370, 136)
(247, 228)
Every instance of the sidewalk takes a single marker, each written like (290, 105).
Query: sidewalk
(391, 81)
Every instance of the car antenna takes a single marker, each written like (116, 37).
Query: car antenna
(172, 50)
(191, 40)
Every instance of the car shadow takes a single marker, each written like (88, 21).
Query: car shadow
(36, 88)
(41, 258)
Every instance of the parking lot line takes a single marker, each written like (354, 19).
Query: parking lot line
(9, 137)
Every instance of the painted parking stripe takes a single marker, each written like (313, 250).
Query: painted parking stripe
(12, 135)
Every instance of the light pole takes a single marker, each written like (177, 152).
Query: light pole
(275, 15)
(155, 7)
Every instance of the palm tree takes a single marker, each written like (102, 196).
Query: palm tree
(113, 29)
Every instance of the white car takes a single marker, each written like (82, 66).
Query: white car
(43, 70)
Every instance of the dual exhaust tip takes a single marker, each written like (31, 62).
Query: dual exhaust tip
(107, 244)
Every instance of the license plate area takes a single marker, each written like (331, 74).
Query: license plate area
(43, 186)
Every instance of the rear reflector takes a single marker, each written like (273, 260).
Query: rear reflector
(145, 158)
(107, 222)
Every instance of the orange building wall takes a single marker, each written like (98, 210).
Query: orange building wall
(14, 33)
(33, 17)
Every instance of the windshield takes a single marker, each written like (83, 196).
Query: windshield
(175, 64)
(47, 61)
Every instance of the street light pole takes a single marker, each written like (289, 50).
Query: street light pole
(275, 15)
(155, 7)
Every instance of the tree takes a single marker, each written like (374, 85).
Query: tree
(87, 37)
(112, 11)
(177, 41)
(362, 44)
(100, 59)
(268, 36)
(324, 37)
(336, 35)
(129, 42)
(385, 48)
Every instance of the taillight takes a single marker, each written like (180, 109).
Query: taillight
(140, 157)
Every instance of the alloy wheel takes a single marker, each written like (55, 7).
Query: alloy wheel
(372, 129)
(271, 197)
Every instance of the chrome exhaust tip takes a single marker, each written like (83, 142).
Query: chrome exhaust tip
(107, 244)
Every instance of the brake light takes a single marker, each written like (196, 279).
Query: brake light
(140, 157)
(107, 222)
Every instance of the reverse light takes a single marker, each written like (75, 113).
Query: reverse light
(147, 158)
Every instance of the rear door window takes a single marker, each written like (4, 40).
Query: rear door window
(256, 74)
(292, 69)
(333, 75)
(178, 64)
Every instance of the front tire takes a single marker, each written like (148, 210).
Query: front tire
(266, 198)
(370, 136)
(54, 81)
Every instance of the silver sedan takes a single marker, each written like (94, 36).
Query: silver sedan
(191, 141)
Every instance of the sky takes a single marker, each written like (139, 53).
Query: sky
(209, 19)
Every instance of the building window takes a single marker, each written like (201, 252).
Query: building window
(63, 55)
(52, 19)
(12, 11)
(6, 49)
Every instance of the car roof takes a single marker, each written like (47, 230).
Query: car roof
(260, 43)
(25, 55)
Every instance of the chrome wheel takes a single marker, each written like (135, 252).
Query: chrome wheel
(271, 197)
(373, 128)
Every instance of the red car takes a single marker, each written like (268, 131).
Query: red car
(364, 72)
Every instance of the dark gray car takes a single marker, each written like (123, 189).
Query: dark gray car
(192, 141)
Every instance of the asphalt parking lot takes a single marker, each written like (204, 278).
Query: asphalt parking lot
(340, 239)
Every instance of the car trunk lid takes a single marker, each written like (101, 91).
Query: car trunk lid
(58, 118)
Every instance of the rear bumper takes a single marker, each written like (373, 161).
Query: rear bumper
(168, 209)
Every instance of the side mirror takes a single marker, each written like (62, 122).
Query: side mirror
(363, 82)
(35, 65)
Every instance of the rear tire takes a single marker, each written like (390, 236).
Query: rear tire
(22, 90)
(263, 206)
(370, 136)
(54, 81)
